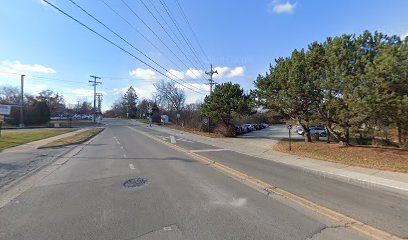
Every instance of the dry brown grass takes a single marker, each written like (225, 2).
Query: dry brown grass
(194, 131)
(383, 158)
(75, 139)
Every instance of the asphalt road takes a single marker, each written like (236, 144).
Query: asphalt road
(17, 165)
(183, 198)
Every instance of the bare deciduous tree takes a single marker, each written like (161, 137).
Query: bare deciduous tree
(9, 95)
(169, 96)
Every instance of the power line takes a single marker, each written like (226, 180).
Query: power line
(141, 34)
(167, 33)
(168, 12)
(116, 34)
(57, 79)
(191, 29)
(130, 78)
(154, 33)
(62, 81)
(167, 24)
(11, 73)
(114, 44)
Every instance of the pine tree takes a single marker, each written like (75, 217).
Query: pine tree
(226, 101)
(129, 102)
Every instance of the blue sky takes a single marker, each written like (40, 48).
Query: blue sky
(239, 37)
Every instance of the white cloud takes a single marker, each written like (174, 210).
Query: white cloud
(404, 35)
(120, 91)
(191, 73)
(195, 86)
(147, 74)
(236, 72)
(83, 92)
(227, 72)
(175, 74)
(144, 91)
(192, 96)
(279, 7)
(16, 66)
(6, 71)
(194, 73)
(221, 71)
(35, 88)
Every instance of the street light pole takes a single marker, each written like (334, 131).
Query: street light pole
(22, 102)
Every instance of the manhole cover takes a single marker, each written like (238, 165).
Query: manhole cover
(135, 182)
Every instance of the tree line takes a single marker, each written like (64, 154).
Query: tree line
(355, 85)
(168, 99)
(351, 84)
(40, 108)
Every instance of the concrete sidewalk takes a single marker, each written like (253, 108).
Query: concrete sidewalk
(261, 147)
(36, 144)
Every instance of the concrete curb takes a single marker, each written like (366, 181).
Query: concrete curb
(74, 143)
(360, 179)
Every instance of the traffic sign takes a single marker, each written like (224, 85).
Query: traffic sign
(5, 109)
(289, 126)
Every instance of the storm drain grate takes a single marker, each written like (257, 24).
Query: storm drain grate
(135, 182)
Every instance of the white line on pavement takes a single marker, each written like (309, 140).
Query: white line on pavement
(209, 150)
(172, 139)
(131, 166)
(117, 141)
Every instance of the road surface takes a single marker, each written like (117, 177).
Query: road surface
(180, 197)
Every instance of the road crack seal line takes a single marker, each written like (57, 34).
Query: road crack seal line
(324, 229)
(347, 221)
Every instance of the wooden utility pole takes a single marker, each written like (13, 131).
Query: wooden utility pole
(94, 83)
(211, 82)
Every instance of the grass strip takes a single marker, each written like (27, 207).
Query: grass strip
(75, 139)
(368, 156)
(12, 138)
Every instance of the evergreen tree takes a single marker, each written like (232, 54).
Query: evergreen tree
(129, 102)
(289, 88)
(226, 101)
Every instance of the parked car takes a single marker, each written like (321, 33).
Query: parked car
(238, 130)
(250, 127)
(244, 129)
(313, 130)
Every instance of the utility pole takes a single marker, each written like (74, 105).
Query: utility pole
(149, 113)
(211, 82)
(99, 97)
(22, 102)
(94, 83)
